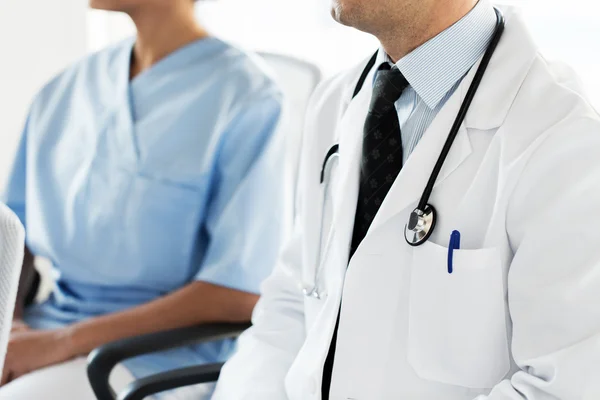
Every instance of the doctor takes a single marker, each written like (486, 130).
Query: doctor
(502, 301)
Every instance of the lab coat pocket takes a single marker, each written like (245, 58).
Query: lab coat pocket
(457, 323)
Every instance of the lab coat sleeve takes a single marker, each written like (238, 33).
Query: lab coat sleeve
(245, 221)
(553, 222)
(14, 195)
(266, 351)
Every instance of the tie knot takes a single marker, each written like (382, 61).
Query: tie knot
(389, 85)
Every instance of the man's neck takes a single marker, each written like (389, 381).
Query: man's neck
(159, 33)
(401, 41)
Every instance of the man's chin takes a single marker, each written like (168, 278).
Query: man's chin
(338, 14)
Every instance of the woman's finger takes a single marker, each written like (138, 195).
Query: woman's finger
(6, 376)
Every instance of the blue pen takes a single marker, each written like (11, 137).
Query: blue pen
(454, 245)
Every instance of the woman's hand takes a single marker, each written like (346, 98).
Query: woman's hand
(30, 350)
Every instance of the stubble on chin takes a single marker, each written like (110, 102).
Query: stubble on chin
(337, 11)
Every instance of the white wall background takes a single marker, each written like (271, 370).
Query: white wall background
(37, 39)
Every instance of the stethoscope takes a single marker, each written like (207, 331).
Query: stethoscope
(325, 180)
(422, 220)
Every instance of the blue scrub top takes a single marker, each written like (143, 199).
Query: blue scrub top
(135, 189)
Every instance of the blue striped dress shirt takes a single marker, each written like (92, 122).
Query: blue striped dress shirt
(435, 69)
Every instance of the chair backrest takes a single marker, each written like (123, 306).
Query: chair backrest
(297, 79)
(12, 245)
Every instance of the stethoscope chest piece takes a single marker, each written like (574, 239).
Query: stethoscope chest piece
(420, 225)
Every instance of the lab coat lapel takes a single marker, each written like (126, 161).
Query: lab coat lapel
(350, 134)
(504, 76)
(413, 177)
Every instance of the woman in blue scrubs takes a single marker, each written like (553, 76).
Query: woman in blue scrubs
(150, 175)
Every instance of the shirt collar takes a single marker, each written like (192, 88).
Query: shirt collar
(436, 66)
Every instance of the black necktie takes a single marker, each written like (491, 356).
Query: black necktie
(380, 165)
(382, 150)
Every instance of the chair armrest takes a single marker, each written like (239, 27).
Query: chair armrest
(102, 360)
(178, 378)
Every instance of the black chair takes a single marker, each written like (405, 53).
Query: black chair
(102, 361)
(35, 287)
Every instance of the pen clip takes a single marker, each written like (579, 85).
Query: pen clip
(454, 245)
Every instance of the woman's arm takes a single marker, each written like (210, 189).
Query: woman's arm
(196, 303)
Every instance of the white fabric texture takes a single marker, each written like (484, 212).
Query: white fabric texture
(12, 245)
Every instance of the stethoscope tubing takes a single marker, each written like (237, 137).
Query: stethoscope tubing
(464, 109)
(331, 155)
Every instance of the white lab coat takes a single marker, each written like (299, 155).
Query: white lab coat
(519, 318)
